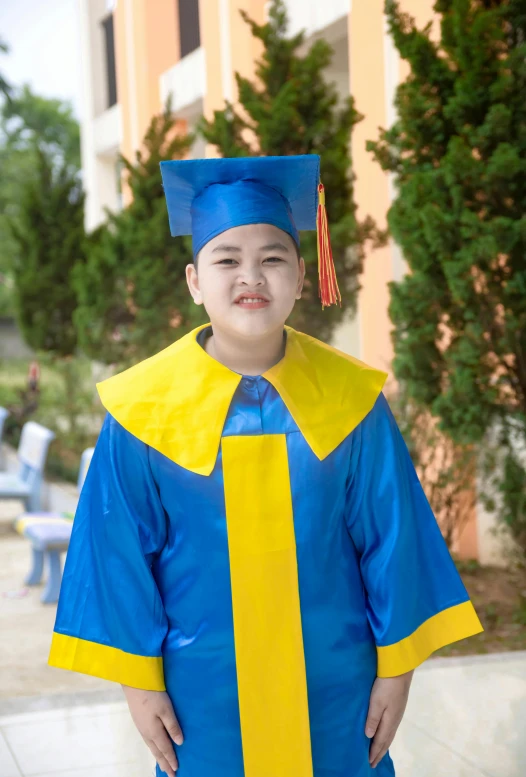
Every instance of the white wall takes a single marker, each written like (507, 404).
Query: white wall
(107, 131)
(315, 15)
(185, 82)
(96, 13)
(346, 337)
(101, 128)
(494, 545)
(330, 22)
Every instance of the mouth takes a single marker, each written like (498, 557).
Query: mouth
(252, 301)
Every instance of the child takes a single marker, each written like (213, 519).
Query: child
(252, 544)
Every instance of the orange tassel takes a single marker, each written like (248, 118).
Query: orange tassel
(328, 284)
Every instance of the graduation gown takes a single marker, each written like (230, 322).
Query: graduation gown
(262, 549)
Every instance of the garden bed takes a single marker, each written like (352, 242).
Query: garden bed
(499, 597)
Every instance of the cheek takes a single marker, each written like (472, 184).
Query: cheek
(215, 289)
(284, 282)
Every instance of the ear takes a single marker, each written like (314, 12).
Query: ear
(301, 278)
(192, 280)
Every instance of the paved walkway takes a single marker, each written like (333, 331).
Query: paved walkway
(466, 718)
(26, 626)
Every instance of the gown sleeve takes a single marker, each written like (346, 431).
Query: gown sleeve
(110, 619)
(416, 602)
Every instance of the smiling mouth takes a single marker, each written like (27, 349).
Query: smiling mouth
(252, 301)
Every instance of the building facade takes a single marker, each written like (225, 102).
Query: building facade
(138, 53)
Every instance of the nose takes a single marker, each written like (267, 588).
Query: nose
(251, 275)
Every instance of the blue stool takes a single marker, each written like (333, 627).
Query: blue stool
(49, 534)
(50, 540)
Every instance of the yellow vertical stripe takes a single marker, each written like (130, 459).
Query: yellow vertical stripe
(270, 660)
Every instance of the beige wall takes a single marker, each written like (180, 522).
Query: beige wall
(210, 20)
(162, 45)
(366, 62)
(245, 49)
(125, 80)
(375, 71)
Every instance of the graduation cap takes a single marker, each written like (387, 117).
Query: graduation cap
(205, 197)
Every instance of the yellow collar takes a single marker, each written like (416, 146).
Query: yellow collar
(177, 401)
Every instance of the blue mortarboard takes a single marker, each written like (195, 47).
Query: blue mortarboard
(205, 197)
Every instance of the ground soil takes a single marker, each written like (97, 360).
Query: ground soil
(499, 597)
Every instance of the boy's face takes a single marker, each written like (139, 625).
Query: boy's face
(248, 279)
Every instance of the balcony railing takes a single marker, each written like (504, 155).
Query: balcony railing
(313, 15)
(107, 131)
(185, 82)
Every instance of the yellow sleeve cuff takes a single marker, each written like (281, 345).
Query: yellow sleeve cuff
(457, 622)
(109, 663)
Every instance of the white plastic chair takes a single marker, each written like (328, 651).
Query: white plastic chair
(26, 484)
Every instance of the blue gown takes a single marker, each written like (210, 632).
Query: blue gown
(261, 548)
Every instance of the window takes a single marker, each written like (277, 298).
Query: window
(111, 75)
(189, 26)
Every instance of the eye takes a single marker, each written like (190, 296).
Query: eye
(227, 262)
(274, 259)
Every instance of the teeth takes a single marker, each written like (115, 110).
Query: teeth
(251, 301)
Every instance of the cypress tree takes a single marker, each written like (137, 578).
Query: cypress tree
(133, 297)
(458, 150)
(49, 233)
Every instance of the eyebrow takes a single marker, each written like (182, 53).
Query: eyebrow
(270, 247)
(225, 247)
(275, 247)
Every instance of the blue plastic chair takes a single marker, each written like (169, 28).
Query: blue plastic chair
(49, 534)
(26, 484)
(4, 412)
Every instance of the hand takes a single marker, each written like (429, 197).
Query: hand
(386, 709)
(153, 714)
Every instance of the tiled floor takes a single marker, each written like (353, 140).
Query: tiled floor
(26, 627)
(90, 741)
(465, 718)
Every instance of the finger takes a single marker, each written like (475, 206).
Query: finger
(381, 742)
(172, 726)
(379, 739)
(381, 754)
(374, 717)
(164, 744)
(163, 762)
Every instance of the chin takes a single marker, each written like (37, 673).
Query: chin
(255, 326)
